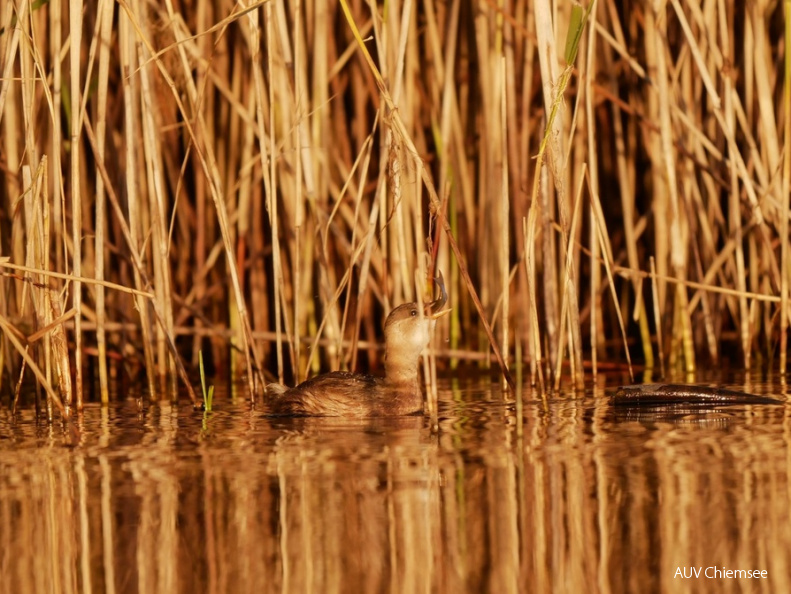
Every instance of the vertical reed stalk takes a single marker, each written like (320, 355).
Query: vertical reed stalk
(105, 10)
(593, 173)
(529, 230)
(271, 181)
(657, 318)
(56, 146)
(153, 212)
(75, 51)
(504, 247)
(298, 183)
(131, 131)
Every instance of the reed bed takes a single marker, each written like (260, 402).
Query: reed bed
(263, 181)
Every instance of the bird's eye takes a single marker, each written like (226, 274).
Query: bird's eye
(414, 313)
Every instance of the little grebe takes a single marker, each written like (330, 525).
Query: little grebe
(344, 394)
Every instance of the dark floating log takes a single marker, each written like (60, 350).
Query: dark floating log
(683, 394)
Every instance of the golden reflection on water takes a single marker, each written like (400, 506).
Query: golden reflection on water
(578, 499)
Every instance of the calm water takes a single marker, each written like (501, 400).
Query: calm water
(576, 498)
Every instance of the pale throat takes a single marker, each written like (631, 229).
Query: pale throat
(402, 354)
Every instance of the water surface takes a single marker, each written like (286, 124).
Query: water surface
(573, 497)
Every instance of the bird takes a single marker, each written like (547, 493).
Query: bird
(356, 395)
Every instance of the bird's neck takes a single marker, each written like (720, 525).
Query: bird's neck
(401, 368)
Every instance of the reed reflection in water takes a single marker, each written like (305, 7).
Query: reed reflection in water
(576, 499)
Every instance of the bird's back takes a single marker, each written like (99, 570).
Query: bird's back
(344, 394)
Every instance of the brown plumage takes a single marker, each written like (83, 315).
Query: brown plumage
(343, 394)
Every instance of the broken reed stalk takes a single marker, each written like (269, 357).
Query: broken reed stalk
(279, 174)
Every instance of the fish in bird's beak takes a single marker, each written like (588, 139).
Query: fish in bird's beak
(434, 309)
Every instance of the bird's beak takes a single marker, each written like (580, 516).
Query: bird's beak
(435, 307)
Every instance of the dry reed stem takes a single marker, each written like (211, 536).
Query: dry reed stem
(530, 229)
(75, 49)
(271, 193)
(504, 247)
(105, 10)
(128, 64)
(657, 318)
(593, 174)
